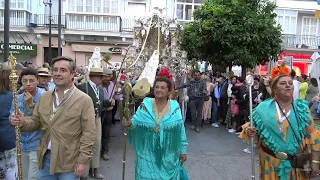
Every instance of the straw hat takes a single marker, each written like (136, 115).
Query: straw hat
(96, 71)
(43, 72)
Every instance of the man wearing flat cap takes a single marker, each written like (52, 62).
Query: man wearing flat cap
(94, 90)
(109, 91)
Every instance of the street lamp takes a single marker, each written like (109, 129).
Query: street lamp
(49, 3)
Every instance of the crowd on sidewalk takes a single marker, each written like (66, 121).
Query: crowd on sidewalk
(212, 99)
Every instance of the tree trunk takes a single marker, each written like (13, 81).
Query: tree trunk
(230, 66)
(243, 70)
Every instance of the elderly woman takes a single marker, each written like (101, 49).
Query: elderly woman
(157, 134)
(7, 133)
(312, 90)
(284, 128)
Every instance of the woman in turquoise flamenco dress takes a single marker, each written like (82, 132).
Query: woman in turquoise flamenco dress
(157, 134)
(283, 125)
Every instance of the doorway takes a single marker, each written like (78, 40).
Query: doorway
(54, 53)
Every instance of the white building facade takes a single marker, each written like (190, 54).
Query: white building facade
(86, 24)
(300, 28)
(109, 24)
(301, 31)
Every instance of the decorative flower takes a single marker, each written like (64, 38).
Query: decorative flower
(164, 72)
(279, 70)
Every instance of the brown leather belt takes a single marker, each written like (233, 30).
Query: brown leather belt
(279, 155)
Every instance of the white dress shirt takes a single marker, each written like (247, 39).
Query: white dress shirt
(57, 103)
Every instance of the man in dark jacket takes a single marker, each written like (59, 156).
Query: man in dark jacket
(93, 89)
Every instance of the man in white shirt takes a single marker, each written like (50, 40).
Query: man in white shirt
(67, 120)
(296, 85)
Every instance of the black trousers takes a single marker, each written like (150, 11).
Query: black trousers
(223, 108)
(106, 130)
(114, 111)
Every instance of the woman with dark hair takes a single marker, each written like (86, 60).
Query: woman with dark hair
(157, 134)
(312, 90)
(284, 132)
(7, 133)
(239, 90)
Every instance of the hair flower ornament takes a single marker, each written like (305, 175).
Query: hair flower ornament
(280, 70)
(164, 72)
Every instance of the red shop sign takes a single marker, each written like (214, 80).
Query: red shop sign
(295, 56)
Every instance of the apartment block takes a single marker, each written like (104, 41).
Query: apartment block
(86, 24)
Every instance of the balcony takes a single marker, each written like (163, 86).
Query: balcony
(98, 23)
(126, 25)
(300, 41)
(18, 18)
(105, 23)
(43, 20)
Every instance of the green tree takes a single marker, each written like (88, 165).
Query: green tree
(233, 32)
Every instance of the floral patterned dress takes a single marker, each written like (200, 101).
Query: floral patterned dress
(276, 133)
(206, 112)
(8, 164)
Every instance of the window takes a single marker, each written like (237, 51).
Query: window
(136, 10)
(88, 5)
(21, 4)
(111, 6)
(13, 4)
(29, 4)
(87, 58)
(288, 20)
(185, 9)
(79, 5)
(71, 5)
(114, 6)
(106, 6)
(2, 3)
(97, 6)
(18, 4)
(309, 26)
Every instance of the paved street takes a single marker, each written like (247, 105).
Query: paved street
(213, 154)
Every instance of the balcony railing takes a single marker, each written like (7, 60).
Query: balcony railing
(127, 25)
(43, 20)
(70, 21)
(300, 41)
(99, 23)
(18, 18)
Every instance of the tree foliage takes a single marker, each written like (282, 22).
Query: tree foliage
(233, 32)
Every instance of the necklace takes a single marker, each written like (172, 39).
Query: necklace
(159, 114)
(286, 109)
(282, 114)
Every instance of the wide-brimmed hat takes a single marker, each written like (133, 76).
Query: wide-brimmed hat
(43, 72)
(107, 71)
(96, 71)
